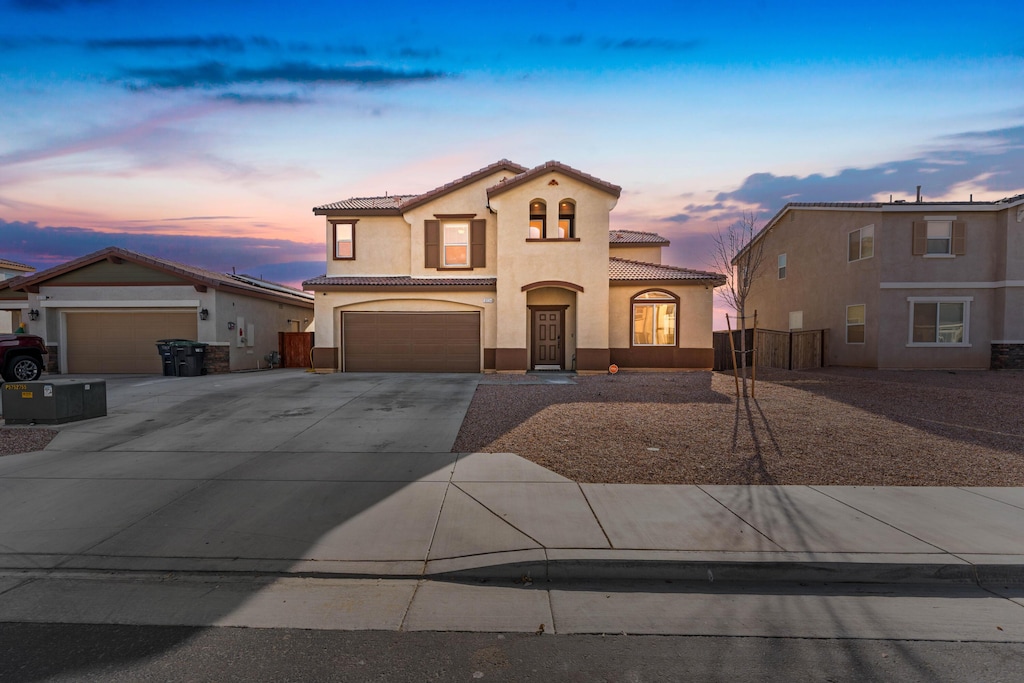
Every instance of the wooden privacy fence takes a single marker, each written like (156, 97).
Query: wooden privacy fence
(797, 350)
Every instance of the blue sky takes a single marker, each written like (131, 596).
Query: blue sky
(205, 131)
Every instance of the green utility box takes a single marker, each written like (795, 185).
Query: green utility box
(54, 402)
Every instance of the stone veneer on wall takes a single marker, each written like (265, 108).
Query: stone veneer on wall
(1007, 357)
(218, 359)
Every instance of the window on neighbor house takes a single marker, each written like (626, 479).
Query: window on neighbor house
(855, 324)
(566, 219)
(862, 244)
(538, 219)
(782, 266)
(654, 319)
(940, 237)
(344, 240)
(935, 321)
(456, 243)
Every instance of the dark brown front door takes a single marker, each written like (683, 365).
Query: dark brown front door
(547, 339)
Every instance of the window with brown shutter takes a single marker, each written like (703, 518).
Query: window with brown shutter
(431, 244)
(920, 238)
(959, 238)
(478, 243)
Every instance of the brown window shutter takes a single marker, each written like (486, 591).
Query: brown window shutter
(920, 238)
(431, 244)
(959, 238)
(478, 243)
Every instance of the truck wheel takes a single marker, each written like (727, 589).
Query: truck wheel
(23, 369)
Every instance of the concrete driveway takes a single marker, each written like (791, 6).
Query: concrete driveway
(262, 470)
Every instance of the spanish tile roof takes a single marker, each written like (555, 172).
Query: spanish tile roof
(503, 165)
(371, 203)
(631, 237)
(625, 269)
(398, 203)
(398, 281)
(14, 265)
(198, 275)
(553, 166)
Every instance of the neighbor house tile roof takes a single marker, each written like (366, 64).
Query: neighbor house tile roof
(198, 275)
(553, 166)
(399, 203)
(626, 269)
(371, 203)
(399, 281)
(14, 265)
(635, 237)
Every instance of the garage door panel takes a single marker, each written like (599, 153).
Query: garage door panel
(411, 342)
(123, 341)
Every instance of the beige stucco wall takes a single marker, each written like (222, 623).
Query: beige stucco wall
(695, 313)
(471, 199)
(639, 253)
(819, 281)
(583, 262)
(266, 317)
(382, 248)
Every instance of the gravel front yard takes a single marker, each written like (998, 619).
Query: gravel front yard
(24, 439)
(834, 426)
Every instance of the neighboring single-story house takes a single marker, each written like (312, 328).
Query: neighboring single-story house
(103, 313)
(505, 269)
(11, 311)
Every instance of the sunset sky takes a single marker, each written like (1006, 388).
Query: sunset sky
(204, 132)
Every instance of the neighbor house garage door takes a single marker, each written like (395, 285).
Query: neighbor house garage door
(411, 342)
(125, 341)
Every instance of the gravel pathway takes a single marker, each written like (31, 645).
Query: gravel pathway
(830, 427)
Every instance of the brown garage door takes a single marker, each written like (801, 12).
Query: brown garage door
(125, 341)
(411, 342)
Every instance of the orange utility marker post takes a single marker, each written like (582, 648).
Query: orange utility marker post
(732, 348)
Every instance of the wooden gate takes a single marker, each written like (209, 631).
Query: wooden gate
(791, 350)
(295, 348)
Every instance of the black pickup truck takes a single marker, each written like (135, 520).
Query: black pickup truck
(21, 357)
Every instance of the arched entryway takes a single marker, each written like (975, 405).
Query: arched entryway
(551, 325)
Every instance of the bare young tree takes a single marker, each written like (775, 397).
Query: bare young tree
(737, 255)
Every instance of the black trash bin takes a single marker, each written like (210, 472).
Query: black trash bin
(166, 349)
(189, 357)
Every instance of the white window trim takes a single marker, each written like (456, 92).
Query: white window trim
(965, 300)
(846, 338)
(860, 244)
(783, 262)
(444, 244)
(654, 302)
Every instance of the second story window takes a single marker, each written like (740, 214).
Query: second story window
(566, 219)
(538, 219)
(940, 236)
(782, 266)
(862, 244)
(344, 241)
(456, 243)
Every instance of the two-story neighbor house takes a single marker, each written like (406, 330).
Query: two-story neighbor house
(504, 269)
(898, 284)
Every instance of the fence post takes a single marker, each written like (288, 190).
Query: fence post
(732, 349)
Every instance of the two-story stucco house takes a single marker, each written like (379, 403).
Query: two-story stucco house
(898, 284)
(504, 269)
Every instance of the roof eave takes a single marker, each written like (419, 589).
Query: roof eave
(355, 213)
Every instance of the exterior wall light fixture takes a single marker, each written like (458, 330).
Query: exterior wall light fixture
(204, 314)
(231, 325)
(33, 314)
